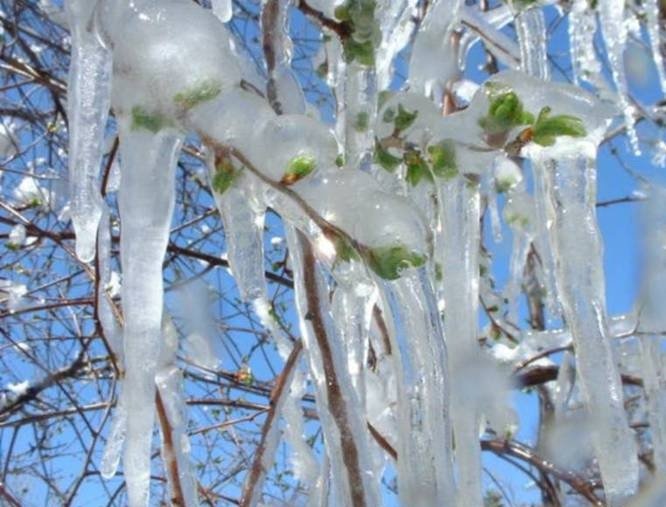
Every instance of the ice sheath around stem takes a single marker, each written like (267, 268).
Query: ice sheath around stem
(146, 200)
(577, 246)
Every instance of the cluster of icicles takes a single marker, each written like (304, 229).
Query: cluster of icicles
(398, 253)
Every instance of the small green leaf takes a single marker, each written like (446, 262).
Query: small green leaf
(389, 115)
(362, 121)
(142, 119)
(299, 167)
(202, 92)
(547, 128)
(404, 118)
(361, 52)
(341, 12)
(224, 176)
(384, 158)
(389, 262)
(417, 168)
(504, 113)
(443, 159)
(383, 97)
(439, 273)
(340, 160)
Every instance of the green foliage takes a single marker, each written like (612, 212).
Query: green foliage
(417, 167)
(389, 262)
(384, 158)
(547, 127)
(358, 17)
(202, 92)
(340, 160)
(362, 121)
(142, 119)
(299, 167)
(344, 250)
(224, 176)
(504, 113)
(443, 159)
(404, 119)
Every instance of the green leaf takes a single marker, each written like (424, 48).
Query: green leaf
(443, 159)
(384, 158)
(340, 160)
(224, 176)
(202, 92)
(153, 122)
(504, 113)
(417, 168)
(389, 262)
(389, 115)
(547, 128)
(362, 121)
(404, 118)
(361, 52)
(299, 167)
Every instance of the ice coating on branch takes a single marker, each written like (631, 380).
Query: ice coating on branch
(146, 198)
(611, 19)
(171, 74)
(653, 366)
(172, 412)
(575, 239)
(223, 9)
(88, 96)
(344, 427)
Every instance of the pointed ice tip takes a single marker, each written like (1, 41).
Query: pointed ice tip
(85, 242)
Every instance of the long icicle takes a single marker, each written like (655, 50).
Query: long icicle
(576, 241)
(146, 200)
(88, 99)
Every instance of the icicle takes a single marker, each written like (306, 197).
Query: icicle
(461, 241)
(434, 38)
(88, 97)
(396, 21)
(284, 91)
(531, 31)
(343, 424)
(653, 366)
(571, 180)
(582, 28)
(145, 199)
(173, 416)
(611, 19)
(425, 463)
(654, 31)
(223, 9)
(361, 110)
(113, 335)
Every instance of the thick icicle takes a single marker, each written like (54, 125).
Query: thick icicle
(611, 19)
(425, 463)
(145, 199)
(575, 239)
(343, 425)
(396, 20)
(460, 213)
(172, 414)
(653, 321)
(88, 97)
